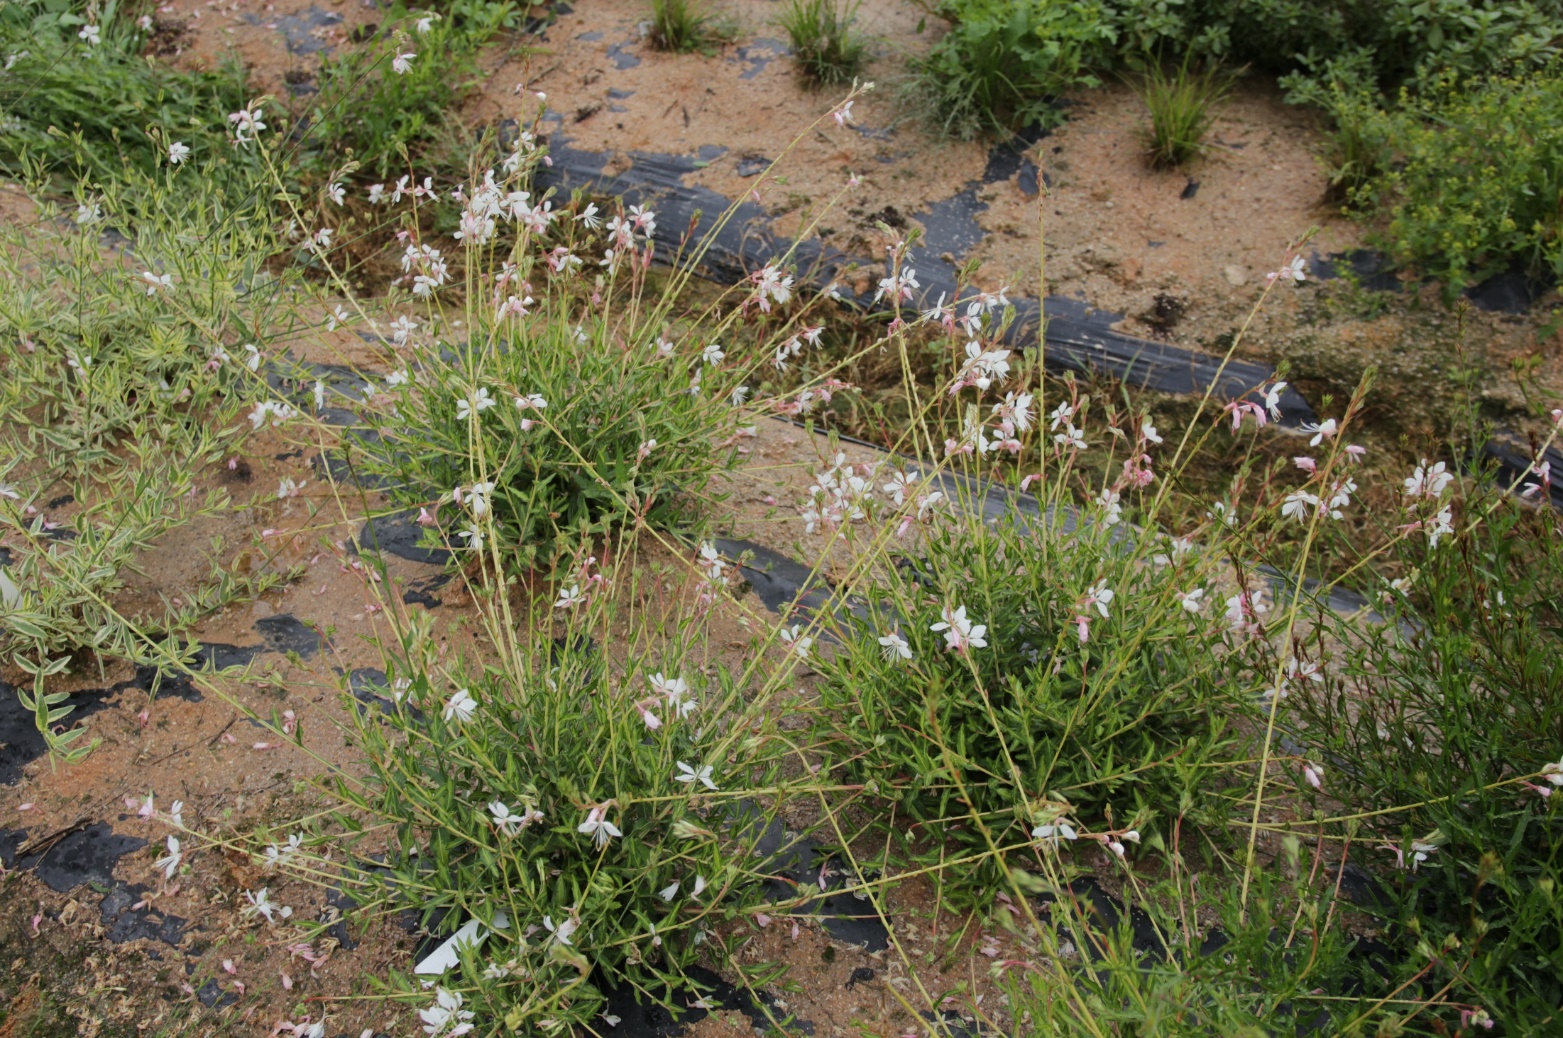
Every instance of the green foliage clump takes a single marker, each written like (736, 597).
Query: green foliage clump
(122, 379)
(1453, 715)
(1182, 106)
(683, 26)
(91, 109)
(1001, 65)
(539, 801)
(824, 44)
(1477, 176)
(1261, 976)
(615, 431)
(1117, 731)
(381, 117)
(1381, 45)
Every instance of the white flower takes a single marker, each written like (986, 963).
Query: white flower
(1294, 271)
(1070, 437)
(1440, 526)
(247, 125)
(478, 498)
(1273, 400)
(644, 219)
(290, 488)
(959, 632)
(899, 486)
(1297, 504)
(279, 413)
(895, 645)
(599, 828)
(669, 892)
(90, 34)
(156, 281)
(691, 775)
(1100, 596)
(898, 287)
(1054, 832)
(1109, 500)
(402, 63)
(506, 820)
(570, 597)
(445, 1018)
(473, 535)
(260, 904)
(276, 855)
(1193, 601)
(1553, 773)
(88, 213)
(1321, 432)
(800, 643)
(425, 22)
(170, 862)
(1428, 481)
(460, 707)
(473, 403)
(772, 285)
(712, 354)
(565, 928)
(176, 814)
(530, 400)
(1314, 773)
(676, 692)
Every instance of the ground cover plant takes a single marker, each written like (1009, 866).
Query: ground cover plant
(1002, 66)
(1457, 208)
(126, 377)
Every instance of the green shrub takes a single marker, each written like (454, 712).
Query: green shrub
(1181, 104)
(1001, 65)
(612, 433)
(1283, 963)
(1440, 729)
(1097, 697)
(1380, 45)
(84, 109)
(589, 406)
(1479, 177)
(369, 110)
(533, 796)
(824, 44)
